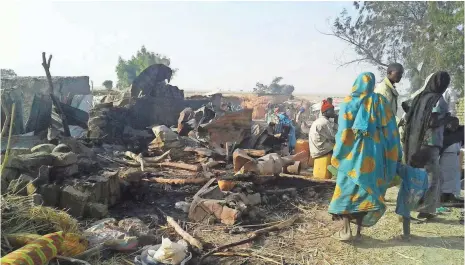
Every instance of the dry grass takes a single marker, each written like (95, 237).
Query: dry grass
(20, 215)
(309, 240)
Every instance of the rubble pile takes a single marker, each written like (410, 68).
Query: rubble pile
(226, 207)
(259, 102)
(61, 176)
(107, 122)
(145, 143)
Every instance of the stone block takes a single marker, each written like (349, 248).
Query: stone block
(30, 161)
(64, 159)
(229, 216)
(37, 199)
(113, 187)
(213, 193)
(96, 210)
(97, 187)
(73, 200)
(59, 173)
(44, 175)
(93, 189)
(86, 164)
(50, 194)
(214, 207)
(47, 148)
(131, 175)
(204, 209)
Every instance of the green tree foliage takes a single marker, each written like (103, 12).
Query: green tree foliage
(7, 73)
(274, 88)
(128, 70)
(108, 84)
(424, 36)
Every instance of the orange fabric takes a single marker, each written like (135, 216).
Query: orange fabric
(326, 106)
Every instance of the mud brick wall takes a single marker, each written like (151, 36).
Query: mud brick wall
(65, 87)
(149, 111)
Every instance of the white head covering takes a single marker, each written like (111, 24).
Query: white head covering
(422, 88)
(450, 96)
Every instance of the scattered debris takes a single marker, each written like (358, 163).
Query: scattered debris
(105, 173)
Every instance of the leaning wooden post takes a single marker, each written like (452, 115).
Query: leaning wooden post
(8, 145)
(56, 103)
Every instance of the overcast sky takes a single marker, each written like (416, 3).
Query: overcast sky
(225, 45)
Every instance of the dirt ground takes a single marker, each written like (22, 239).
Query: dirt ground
(440, 241)
(309, 240)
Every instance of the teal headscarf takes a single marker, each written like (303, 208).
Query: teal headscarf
(366, 152)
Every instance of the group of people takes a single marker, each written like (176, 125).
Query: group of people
(370, 152)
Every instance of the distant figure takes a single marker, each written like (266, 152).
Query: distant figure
(330, 100)
(289, 113)
(323, 131)
(387, 87)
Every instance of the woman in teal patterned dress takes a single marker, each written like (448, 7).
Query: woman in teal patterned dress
(366, 154)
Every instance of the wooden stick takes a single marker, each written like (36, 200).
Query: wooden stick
(138, 158)
(281, 191)
(252, 236)
(55, 102)
(255, 152)
(194, 242)
(73, 260)
(275, 227)
(118, 161)
(177, 181)
(7, 152)
(7, 120)
(196, 168)
(157, 158)
(244, 254)
(232, 254)
(203, 189)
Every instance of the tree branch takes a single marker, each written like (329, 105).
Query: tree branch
(348, 39)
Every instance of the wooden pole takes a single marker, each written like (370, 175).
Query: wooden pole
(7, 153)
(186, 236)
(56, 103)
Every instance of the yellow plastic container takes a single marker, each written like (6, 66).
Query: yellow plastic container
(302, 146)
(320, 168)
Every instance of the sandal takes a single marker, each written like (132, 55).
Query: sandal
(342, 236)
